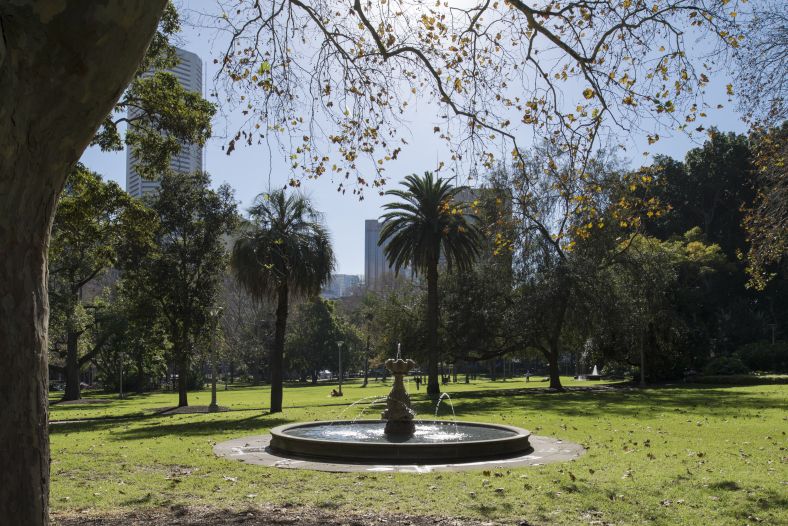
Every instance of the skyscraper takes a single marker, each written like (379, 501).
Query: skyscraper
(375, 265)
(188, 71)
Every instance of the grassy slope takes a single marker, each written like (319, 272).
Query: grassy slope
(685, 455)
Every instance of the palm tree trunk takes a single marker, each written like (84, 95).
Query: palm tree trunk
(433, 386)
(278, 350)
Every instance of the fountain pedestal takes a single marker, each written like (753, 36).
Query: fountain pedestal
(398, 414)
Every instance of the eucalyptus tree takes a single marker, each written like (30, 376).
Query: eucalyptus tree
(428, 225)
(94, 218)
(283, 251)
(184, 269)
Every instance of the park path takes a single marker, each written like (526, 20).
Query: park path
(260, 516)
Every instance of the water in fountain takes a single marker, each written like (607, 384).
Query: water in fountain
(348, 408)
(445, 396)
(373, 403)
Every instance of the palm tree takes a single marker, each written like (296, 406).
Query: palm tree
(285, 251)
(426, 226)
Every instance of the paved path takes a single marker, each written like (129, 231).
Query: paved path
(255, 450)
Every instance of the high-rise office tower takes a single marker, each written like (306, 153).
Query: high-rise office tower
(375, 265)
(188, 71)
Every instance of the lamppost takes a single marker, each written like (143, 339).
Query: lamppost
(339, 348)
(215, 313)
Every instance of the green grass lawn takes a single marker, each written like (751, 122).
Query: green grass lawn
(705, 455)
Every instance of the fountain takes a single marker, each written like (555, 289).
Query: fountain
(398, 437)
(594, 375)
(398, 414)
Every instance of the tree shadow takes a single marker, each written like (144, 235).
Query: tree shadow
(616, 401)
(256, 422)
(196, 427)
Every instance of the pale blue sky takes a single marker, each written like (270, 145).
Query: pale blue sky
(247, 170)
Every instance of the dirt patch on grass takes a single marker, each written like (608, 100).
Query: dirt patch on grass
(82, 401)
(188, 410)
(258, 516)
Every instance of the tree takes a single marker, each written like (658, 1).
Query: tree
(650, 303)
(93, 219)
(762, 62)
(557, 210)
(61, 71)
(709, 190)
(283, 251)
(609, 66)
(427, 225)
(311, 343)
(183, 271)
(766, 219)
(248, 328)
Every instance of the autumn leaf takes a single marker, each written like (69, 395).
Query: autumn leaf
(588, 93)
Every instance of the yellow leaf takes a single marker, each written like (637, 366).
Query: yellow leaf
(588, 93)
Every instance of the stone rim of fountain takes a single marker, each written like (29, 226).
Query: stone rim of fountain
(345, 450)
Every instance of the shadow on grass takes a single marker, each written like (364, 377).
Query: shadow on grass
(611, 401)
(201, 428)
(155, 425)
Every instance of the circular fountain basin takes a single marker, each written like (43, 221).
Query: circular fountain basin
(433, 441)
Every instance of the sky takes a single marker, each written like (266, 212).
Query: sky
(249, 169)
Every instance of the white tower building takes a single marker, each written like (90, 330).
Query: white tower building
(188, 71)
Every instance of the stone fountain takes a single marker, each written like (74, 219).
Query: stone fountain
(399, 437)
(398, 414)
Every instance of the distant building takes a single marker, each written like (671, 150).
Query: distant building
(375, 265)
(188, 71)
(340, 286)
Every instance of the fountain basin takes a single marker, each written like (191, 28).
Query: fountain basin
(433, 441)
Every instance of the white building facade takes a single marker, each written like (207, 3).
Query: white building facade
(188, 71)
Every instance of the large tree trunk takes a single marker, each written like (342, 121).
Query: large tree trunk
(182, 357)
(72, 367)
(278, 350)
(63, 65)
(555, 375)
(433, 386)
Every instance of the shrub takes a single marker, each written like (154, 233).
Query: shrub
(765, 356)
(723, 365)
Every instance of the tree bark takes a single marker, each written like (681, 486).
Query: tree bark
(182, 354)
(555, 374)
(63, 66)
(278, 350)
(72, 367)
(433, 386)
